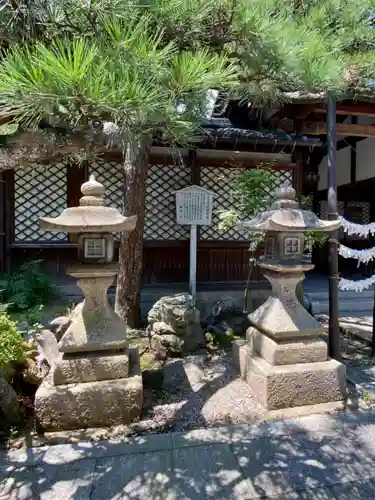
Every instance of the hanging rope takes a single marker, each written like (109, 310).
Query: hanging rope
(363, 230)
(363, 256)
(358, 285)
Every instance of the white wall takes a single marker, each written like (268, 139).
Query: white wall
(365, 159)
(365, 168)
(342, 170)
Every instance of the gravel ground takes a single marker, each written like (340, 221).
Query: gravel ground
(200, 390)
(355, 352)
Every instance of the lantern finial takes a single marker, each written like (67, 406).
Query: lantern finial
(93, 192)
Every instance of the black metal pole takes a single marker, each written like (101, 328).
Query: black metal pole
(334, 331)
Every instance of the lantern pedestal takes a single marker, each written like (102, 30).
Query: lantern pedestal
(95, 326)
(284, 360)
(95, 382)
(91, 404)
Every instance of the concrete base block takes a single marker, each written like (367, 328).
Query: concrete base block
(90, 404)
(290, 352)
(289, 386)
(93, 367)
(303, 384)
(240, 352)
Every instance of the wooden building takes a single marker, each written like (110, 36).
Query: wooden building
(355, 167)
(291, 137)
(240, 138)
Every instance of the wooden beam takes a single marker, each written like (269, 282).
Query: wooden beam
(349, 109)
(343, 129)
(298, 173)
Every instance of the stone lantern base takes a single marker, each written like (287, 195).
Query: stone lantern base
(91, 404)
(279, 386)
(284, 359)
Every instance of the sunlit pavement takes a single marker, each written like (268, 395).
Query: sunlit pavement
(316, 457)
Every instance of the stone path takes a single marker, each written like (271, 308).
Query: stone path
(356, 336)
(361, 327)
(316, 457)
(360, 364)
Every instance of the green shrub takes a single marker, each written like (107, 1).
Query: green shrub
(12, 348)
(27, 288)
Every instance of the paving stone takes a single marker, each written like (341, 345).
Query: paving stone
(358, 490)
(318, 457)
(209, 472)
(23, 457)
(288, 464)
(140, 444)
(308, 494)
(362, 490)
(50, 482)
(142, 476)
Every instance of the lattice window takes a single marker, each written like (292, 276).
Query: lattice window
(323, 211)
(38, 192)
(364, 210)
(219, 180)
(162, 181)
(280, 177)
(292, 246)
(111, 175)
(160, 217)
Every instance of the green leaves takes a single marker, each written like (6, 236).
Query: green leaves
(12, 349)
(128, 74)
(132, 62)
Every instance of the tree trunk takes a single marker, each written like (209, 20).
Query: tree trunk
(8, 401)
(129, 280)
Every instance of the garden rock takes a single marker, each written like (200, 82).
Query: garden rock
(161, 328)
(153, 378)
(8, 401)
(227, 318)
(59, 326)
(34, 374)
(167, 344)
(176, 324)
(307, 304)
(47, 347)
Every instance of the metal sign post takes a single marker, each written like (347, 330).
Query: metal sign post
(334, 348)
(193, 208)
(193, 262)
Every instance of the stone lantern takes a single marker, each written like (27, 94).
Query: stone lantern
(284, 359)
(96, 379)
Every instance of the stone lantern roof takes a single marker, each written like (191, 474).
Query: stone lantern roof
(285, 215)
(92, 216)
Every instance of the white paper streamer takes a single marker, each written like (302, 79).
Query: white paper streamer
(357, 286)
(363, 230)
(363, 256)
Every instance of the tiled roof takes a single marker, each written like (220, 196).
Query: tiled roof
(239, 133)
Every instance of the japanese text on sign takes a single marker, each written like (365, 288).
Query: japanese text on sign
(193, 206)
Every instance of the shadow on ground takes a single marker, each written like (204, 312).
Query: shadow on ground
(327, 458)
(199, 391)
